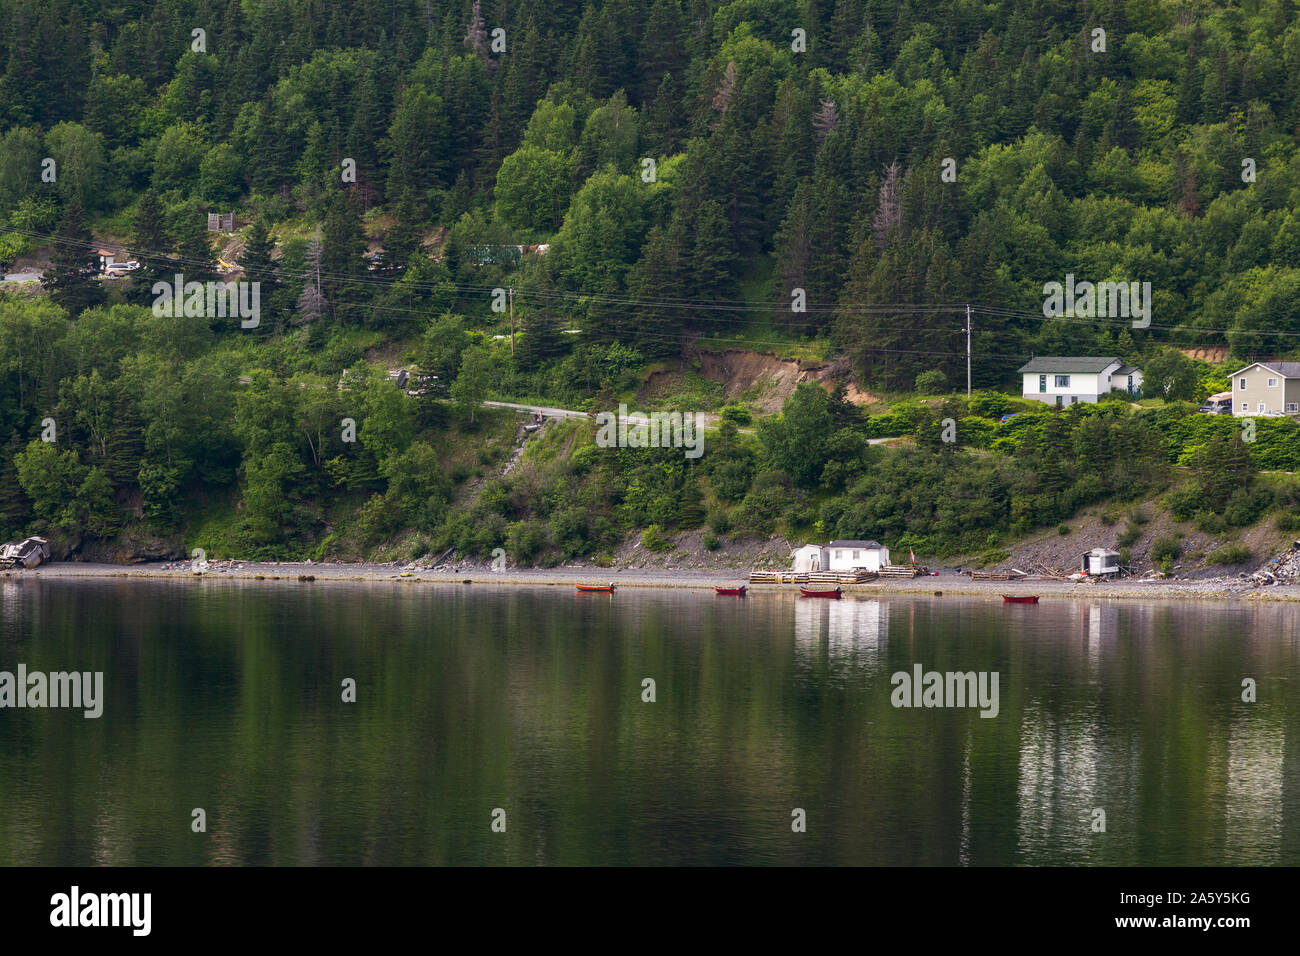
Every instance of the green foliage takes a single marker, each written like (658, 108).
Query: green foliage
(1229, 554)
(738, 415)
(653, 539)
(932, 382)
(1128, 537)
(795, 442)
(989, 404)
(472, 382)
(1165, 549)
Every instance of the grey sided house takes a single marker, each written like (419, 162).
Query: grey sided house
(1070, 379)
(1266, 388)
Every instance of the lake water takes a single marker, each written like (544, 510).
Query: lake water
(470, 699)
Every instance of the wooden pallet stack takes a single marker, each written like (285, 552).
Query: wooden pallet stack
(778, 577)
(996, 575)
(840, 577)
(900, 570)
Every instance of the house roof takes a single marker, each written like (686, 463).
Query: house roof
(847, 543)
(1285, 369)
(1065, 364)
(1125, 370)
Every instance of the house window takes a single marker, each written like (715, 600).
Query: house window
(838, 555)
(1241, 382)
(1245, 406)
(1062, 381)
(1074, 399)
(1292, 407)
(1059, 400)
(1130, 384)
(1261, 408)
(1272, 383)
(855, 555)
(1042, 383)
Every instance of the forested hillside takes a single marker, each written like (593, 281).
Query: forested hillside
(838, 178)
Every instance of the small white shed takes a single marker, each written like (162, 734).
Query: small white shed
(1099, 562)
(811, 557)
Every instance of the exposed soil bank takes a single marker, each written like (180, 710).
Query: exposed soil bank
(946, 582)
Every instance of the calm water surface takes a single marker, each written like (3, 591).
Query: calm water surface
(227, 696)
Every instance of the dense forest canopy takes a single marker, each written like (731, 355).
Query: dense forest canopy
(691, 169)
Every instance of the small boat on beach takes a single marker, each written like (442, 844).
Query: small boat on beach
(602, 588)
(1020, 599)
(734, 592)
(819, 592)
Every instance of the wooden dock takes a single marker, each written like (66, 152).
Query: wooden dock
(811, 577)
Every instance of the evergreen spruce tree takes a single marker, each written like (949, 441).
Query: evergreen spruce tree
(342, 268)
(70, 280)
(193, 245)
(150, 248)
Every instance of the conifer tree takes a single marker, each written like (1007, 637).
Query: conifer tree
(71, 278)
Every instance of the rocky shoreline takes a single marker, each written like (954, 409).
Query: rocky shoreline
(944, 582)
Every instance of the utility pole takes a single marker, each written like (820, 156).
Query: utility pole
(512, 323)
(968, 350)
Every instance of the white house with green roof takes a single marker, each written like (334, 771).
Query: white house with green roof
(1070, 379)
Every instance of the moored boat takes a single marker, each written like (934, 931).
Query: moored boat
(735, 592)
(1020, 599)
(605, 588)
(820, 592)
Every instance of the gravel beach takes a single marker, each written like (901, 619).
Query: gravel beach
(947, 582)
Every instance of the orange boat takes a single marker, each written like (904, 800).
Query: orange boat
(734, 592)
(812, 592)
(603, 588)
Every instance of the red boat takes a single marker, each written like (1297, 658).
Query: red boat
(734, 592)
(1020, 599)
(604, 588)
(812, 592)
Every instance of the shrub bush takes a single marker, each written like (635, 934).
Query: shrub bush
(1165, 548)
(719, 520)
(653, 539)
(1184, 503)
(1287, 522)
(1229, 554)
(932, 382)
(1245, 507)
(1210, 523)
(710, 541)
(989, 404)
(738, 415)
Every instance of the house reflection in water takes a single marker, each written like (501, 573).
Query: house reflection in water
(849, 629)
